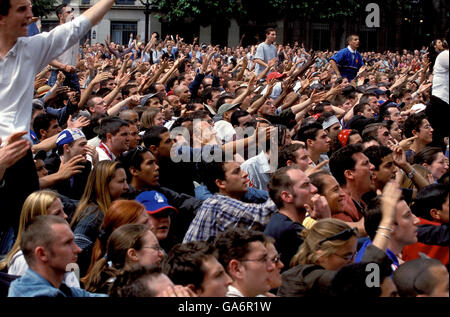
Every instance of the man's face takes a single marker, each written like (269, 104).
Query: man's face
(362, 172)
(333, 193)
(302, 159)
(18, 18)
(235, 183)
(245, 121)
(110, 84)
(354, 139)
(384, 136)
(119, 142)
(135, 139)
(268, 108)
(64, 250)
(149, 173)
(394, 115)
(257, 269)
(275, 276)
(52, 130)
(174, 101)
(232, 86)
(184, 94)
(354, 42)
(99, 106)
(368, 112)
(159, 224)
(215, 279)
(396, 132)
(334, 130)
(271, 37)
(78, 147)
(425, 132)
(322, 142)
(67, 14)
(165, 145)
(154, 103)
(407, 99)
(405, 226)
(302, 190)
(373, 102)
(386, 172)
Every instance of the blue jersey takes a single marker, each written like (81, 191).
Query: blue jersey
(348, 63)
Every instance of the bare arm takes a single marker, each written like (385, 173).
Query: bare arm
(98, 10)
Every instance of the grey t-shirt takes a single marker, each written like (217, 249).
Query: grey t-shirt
(264, 52)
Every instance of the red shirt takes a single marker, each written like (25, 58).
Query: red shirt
(437, 252)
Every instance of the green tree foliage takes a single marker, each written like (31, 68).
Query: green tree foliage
(260, 11)
(42, 8)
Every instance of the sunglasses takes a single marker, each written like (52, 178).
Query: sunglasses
(139, 149)
(343, 235)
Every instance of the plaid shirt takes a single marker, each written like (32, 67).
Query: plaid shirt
(219, 212)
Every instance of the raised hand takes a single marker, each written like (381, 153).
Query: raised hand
(79, 123)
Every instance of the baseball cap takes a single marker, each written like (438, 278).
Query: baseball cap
(146, 98)
(275, 75)
(68, 136)
(227, 106)
(155, 202)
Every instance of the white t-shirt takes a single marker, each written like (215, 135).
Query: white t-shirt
(440, 77)
(21, 64)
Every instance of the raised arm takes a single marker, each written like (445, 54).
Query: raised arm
(98, 10)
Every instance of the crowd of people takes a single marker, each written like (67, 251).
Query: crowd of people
(168, 168)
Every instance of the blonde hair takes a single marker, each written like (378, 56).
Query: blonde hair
(36, 204)
(321, 230)
(96, 192)
(148, 117)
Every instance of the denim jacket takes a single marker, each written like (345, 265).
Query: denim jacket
(34, 285)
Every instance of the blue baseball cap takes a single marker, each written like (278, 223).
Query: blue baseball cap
(155, 202)
(68, 136)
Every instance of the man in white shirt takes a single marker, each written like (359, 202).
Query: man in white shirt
(266, 51)
(67, 61)
(21, 58)
(437, 109)
(115, 138)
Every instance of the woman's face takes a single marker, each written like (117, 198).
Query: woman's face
(159, 119)
(57, 209)
(343, 255)
(151, 252)
(118, 184)
(439, 166)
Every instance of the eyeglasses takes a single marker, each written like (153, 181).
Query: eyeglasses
(154, 247)
(427, 127)
(139, 149)
(343, 235)
(276, 259)
(263, 259)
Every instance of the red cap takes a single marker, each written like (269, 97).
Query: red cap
(343, 136)
(276, 75)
